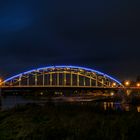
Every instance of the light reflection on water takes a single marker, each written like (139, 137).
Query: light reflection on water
(111, 105)
(120, 106)
(11, 101)
(138, 108)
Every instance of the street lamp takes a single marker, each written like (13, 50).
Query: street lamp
(138, 84)
(127, 83)
(114, 84)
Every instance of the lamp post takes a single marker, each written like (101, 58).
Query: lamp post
(127, 83)
(114, 84)
(138, 84)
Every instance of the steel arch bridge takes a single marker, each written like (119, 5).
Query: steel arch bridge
(62, 76)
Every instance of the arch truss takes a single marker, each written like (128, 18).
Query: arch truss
(62, 76)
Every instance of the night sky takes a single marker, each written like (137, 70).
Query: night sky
(102, 34)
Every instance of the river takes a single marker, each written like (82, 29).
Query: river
(14, 100)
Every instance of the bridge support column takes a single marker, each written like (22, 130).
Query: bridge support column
(102, 82)
(90, 82)
(36, 79)
(109, 84)
(50, 79)
(28, 80)
(96, 84)
(65, 79)
(57, 79)
(43, 78)
(84, 82)
(20, 81)
(71, 79)
(78, 80)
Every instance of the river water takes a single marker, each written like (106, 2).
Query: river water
(14, 100)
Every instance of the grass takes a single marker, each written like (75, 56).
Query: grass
(67, 122)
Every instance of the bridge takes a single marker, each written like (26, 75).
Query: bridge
(64, 79)
(61, 76)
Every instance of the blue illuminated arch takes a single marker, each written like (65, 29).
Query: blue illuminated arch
(63, 66)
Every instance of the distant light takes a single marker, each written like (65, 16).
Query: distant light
(0, 81)
(138, 84)
(114, 84)
(127, 83)
(112, 93)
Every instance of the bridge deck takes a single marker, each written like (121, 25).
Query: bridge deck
(66, 87)
(55, 86)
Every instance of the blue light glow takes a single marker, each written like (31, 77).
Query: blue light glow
(63, 66)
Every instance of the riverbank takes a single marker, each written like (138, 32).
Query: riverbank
(69, 121)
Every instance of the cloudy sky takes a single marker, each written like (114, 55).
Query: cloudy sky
(102, 34)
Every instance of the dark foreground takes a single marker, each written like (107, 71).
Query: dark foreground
(68, 122)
